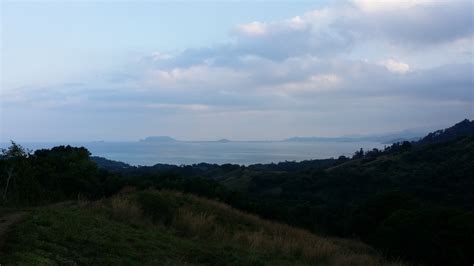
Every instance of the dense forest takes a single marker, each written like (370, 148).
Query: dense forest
(412, 200)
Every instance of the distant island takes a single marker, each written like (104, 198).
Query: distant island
(224, 141)
(386, 138)
(158, 139)
(163, 139)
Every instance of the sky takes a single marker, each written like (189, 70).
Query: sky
(259, 70)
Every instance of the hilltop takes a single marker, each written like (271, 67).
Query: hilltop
(463, 128)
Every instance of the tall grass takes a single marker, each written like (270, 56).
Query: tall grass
(197, 217)
(125, 209)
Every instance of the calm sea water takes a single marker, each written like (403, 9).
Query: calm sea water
(142, 153)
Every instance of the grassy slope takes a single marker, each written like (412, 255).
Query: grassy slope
(169, 228)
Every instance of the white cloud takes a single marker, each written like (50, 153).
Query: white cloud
(297, 23)
(395, 66)
(378, 5)
(259, 29)
(255, 28)
(313, 84)
(338, 29)
(202, 77)
(157, 56)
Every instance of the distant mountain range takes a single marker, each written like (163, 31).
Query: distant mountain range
(388, 138)
(170, 139)
(464, 127)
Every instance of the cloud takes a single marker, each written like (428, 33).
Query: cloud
(413, 24)
(186, 107)
(258, 29)
(261, 84)
(310, 33)
(338, 30)
(395, 66)
(313, 84)
(343, 62)
(252, 29)
(157, 56)
(376, 6)
(197, 77)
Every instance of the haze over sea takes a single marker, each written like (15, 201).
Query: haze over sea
(241, 152)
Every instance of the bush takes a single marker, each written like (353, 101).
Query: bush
(438, 236)
(156, 207)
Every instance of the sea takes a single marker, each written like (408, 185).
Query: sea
(240, 152)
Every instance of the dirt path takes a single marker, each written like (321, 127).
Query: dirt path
(5, 222)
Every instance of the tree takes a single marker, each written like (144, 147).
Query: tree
(12, 158)
(358, 154)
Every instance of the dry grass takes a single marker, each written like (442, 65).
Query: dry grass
(124, 209)
(194, 224)
(120, 208)
(208, 219)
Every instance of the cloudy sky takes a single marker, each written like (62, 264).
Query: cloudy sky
(107, 70)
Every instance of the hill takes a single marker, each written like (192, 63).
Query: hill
(109, 164)
(404, 200)
(169, 228)
(387, 138)
(463, 128)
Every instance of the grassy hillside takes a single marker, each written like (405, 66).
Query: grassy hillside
(404, 201)
(169, 228)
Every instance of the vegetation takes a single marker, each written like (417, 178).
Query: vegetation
(171, 228)
(60, 173)
(412, 200)
(369, 197)
(463, 128)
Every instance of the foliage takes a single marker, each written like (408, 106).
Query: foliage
(57, 174)
(436, 236)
